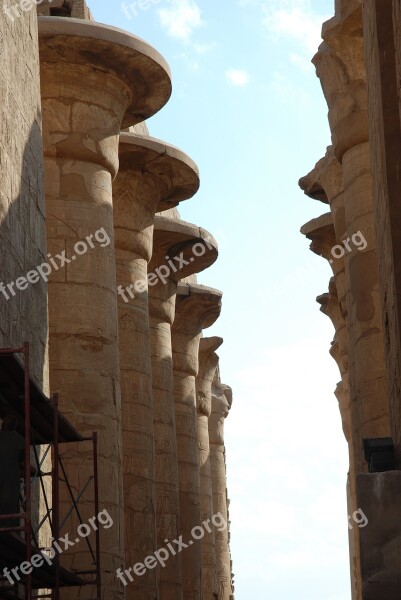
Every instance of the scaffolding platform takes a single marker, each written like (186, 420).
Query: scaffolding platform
(12, 394)
(41, 424)
(13, 552)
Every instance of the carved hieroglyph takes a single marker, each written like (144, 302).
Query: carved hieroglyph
(86, 100)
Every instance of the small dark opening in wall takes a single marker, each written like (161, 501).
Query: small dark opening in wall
(60, 12)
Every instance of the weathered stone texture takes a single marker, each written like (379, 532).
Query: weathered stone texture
(152, 176)
(23, 317)
(81, 128)
(197, 308)
(208, 362)
(383, 68)
(172, 237)
(379, 498)
(75, 9)
(357, 66)
(221, 405)
(161, 456)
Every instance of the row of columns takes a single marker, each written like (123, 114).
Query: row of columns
(127, 353)
(359, 303)
(344, 180)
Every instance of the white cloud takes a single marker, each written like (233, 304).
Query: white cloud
(181, 18)
(295, 19)
(237, 77)
(205, 47)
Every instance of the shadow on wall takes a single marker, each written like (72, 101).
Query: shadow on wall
(23, 303)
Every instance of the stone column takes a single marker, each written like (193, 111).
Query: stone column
(322, 234)
(379, 493)
(174, 244)
(208, 361)
(340, 66)
(221, 404)
(197, 307)
(153, 176)
(325, 183)
(94, 79)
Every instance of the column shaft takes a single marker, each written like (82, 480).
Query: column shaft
(135, 206)
(221, 401)
(197, 307)
(84, 365)
(86, 102)
(367, 377)
(208, 361)
(188, 469)
(382, 54)
(153, 176)
(167, 487)
(172, 238)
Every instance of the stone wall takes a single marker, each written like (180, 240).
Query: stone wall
(383, 67)
(23, 312)
(23, 316)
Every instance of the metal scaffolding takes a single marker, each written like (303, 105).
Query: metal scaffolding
(43, 425)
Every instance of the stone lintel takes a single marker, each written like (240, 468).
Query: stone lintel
(109, 50)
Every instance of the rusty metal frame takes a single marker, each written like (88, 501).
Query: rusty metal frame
(52, 514)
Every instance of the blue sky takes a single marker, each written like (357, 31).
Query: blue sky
(248, 108)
